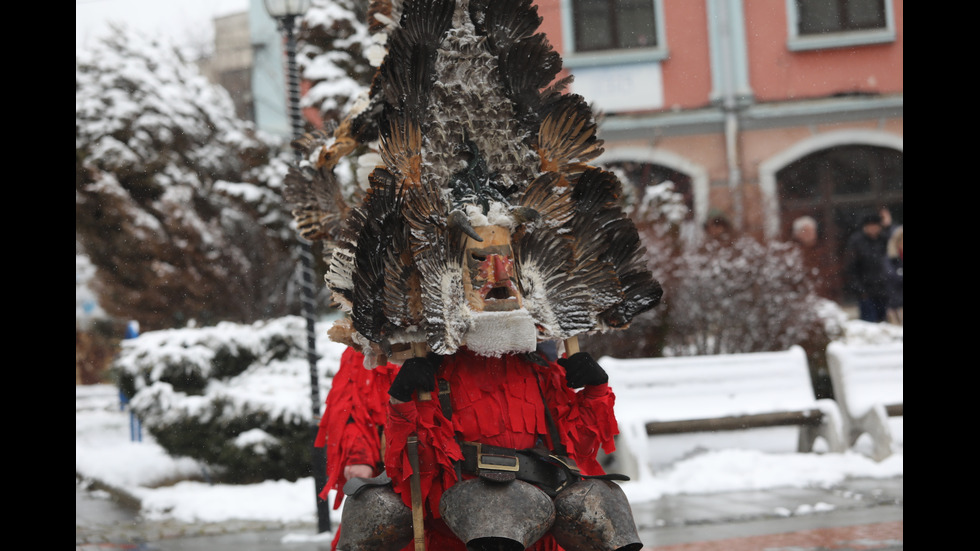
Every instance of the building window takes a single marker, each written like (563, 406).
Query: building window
(831, 16)
(821, 24)
(614, 25)
(626, 30)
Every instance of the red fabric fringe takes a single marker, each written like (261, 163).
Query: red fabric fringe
(496, 401)
(353, 416)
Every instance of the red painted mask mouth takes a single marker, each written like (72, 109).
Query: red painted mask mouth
(493, 279)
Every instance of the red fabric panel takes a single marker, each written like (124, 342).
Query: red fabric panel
(496, 401)
(354, 412)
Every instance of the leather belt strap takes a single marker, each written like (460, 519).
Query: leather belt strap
(447, 406)
(499, 464)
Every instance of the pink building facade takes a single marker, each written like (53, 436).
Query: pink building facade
(765, 110)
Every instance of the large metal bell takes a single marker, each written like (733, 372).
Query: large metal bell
(594, 515)
(375, 519)
(491, 516)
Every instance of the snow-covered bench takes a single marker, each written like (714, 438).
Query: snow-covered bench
(656, 396)
(868, 386)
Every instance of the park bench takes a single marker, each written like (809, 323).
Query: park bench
(659, 396)
(868, 385)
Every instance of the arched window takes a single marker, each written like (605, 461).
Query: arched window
(836, 186)
(639, 175)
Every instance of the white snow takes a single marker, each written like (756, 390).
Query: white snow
(681, 464)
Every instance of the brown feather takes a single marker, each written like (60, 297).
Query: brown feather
(567, 138)
(401, 149)
(549, 195)
(402, 286)
(546, 267)
(318, 205)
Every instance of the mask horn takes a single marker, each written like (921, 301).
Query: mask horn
(458, 220)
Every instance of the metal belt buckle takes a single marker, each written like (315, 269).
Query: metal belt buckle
(566, 462)
(510, 463)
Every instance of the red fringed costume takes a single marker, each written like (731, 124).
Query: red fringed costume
(352, 420)
(496, 401)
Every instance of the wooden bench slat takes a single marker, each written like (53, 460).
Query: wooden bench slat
(811, 417)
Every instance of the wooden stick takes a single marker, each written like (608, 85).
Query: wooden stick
(571, 346)
(419, 350)
(418, 525)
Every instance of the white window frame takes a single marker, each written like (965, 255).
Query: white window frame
(797, 42)
(573, 59)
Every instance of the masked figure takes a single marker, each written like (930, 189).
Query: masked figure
(481, 232)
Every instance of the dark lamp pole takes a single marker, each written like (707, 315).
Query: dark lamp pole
(286, 12)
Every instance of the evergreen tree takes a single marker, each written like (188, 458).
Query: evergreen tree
(177, 202)
(334, 42)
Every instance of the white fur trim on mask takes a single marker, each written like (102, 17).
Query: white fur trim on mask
(499, 333)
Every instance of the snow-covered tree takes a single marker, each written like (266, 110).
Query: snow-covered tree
(332, 56)
(177, 202)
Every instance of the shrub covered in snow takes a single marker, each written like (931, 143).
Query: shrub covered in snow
(720, 297)
(236, 397)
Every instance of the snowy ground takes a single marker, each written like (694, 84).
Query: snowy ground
(682, 464)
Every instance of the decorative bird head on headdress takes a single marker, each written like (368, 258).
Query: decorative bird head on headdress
(483, 225)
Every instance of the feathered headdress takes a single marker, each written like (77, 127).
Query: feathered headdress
(471, 132)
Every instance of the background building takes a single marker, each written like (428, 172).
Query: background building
(268, 72)
(763, 109)
(248, 61)
(231, 63)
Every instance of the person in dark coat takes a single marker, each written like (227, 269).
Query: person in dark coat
(864, 269)
(894, 269)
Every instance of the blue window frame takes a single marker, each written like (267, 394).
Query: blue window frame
(823, 24)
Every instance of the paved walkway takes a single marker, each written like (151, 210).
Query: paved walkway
(858, 515)
(862, 514)
(878, 536)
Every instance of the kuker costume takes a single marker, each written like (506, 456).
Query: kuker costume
(481, 233)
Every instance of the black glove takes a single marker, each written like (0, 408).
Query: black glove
(581, 370)
(414, 374)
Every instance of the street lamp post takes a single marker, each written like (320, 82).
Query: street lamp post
(285, 13)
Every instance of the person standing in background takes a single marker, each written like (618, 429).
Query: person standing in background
(816, 259)
(864, 269)
(894, 270)
(805, 231)
(887, 225)
(718, 227)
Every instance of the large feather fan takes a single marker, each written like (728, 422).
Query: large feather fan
(471, 129)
